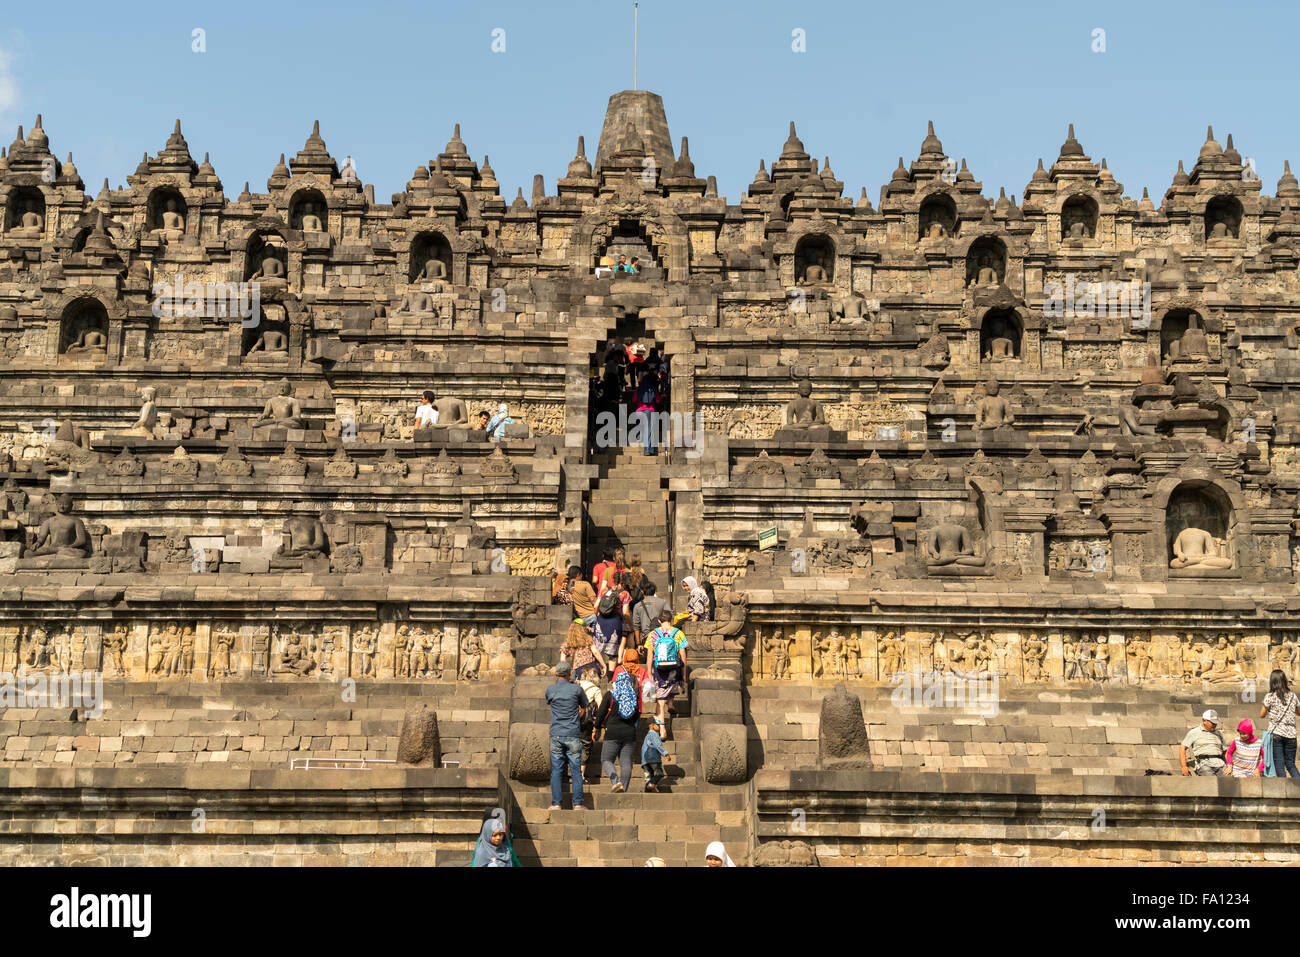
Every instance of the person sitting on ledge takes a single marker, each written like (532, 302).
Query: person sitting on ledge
(950, 544)
(1197, 547)
(1206, 746)
(425, 414)
(634, 268)
(484, 416)
(496, 428)
(622, 266)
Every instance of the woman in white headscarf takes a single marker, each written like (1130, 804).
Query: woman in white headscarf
(697, 600)
(715, 855)
(496, 428)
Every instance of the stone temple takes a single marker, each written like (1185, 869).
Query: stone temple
(1032, 471)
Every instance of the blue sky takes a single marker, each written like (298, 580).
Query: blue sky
(388, 80)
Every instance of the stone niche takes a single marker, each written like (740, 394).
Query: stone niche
(1201, 532)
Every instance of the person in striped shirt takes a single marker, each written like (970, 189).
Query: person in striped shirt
(1245, 755)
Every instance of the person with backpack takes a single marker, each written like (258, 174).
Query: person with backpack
(620, 713)
(603, 576)
(598, 570)
(666, 659)
(646, 612)
(610, 626)
(1279, 706)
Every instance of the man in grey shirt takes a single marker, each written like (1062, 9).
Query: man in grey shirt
(645, 616)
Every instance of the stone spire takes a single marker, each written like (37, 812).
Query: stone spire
(1288, 186)
(314, 157)
(36, 139)
(1230, 153)
(1181, 178)
(579, 167)
(639, 113)
(456, 146)
(1040, 174)
(761, 175)
(1211, 150)
(931, 147)
(1146, 205)
(1071, 148)
(793, 148)
(279, 176)
(683, 168)
(900, 174)
(964, 175)
(827, 174)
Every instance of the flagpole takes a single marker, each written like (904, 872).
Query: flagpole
(634, 39)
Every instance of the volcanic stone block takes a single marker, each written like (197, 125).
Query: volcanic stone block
(723, 753)
(419, 743)
(530, 752)
(843, 733)
(785, 854)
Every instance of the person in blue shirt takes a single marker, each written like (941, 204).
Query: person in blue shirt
(568, 703)
(496, 428)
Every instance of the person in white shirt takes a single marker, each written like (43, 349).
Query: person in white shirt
(425, 414)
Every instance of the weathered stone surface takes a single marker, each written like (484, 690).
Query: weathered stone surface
(722, 753)
(842, 736)
(418, 743)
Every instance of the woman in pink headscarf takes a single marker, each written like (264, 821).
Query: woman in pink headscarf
(1245, 756)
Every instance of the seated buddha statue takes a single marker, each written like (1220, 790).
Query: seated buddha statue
(271, 342)
(282, 409)
(270, 269)
(144, 425)
(950, 544)
(62, 534)
(1000, 344)
(417, 302)
(1197, 548)
(90, 340)
(303, 536)
(311, 223)
(30, 224)
(992, 411)
(173, 223)
(804, 412)
(434, 271)
(1192, 344)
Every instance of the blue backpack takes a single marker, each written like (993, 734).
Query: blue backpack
(665, 648)
(626, 696)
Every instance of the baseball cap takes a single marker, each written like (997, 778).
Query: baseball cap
(563, 669)
(1211, 716)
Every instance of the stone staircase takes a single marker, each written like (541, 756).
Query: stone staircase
(629, 507)
(623, 830)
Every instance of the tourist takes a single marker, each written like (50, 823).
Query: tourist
(631, 663)
(635, 266)
(605, 269)
(620, 713)
(496, 428)
(567, 703)
(425, 414)
(608, 628)
(707, 587)
(715, 855)
(560, 589)
(598, 568)
(608, 570)
(484, 416)
(1206, 746)
(1245, 755)
(588, 724)
(645, 614)
(653, 756)
(493, 847)
(622, 266)
(615, 373)
(697, 599)
(646, 399)
(583, 655)
(485, 852)
(666, 657)
(1279, 707)
(583, 595)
